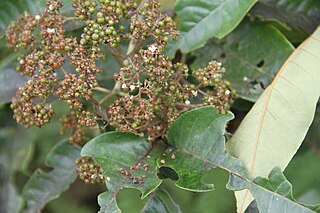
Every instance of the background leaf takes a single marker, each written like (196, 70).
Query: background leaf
(160, 201)
(305, 176)
(252, 54)
(43, 187)
(204, 19)
(281, 200)
(273, 130)
(10, 79)
(301, 14)
(11, 9)
(116, 152)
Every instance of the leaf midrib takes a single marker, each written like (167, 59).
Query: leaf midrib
(264, 109)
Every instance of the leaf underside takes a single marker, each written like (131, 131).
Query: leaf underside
(275, 127)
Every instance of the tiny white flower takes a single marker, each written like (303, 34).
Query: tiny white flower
(210, 99)
(245, 78)
(37, 17)
(51, 30)
(152, 48)
(194, 93)
(216, 75)
(21, 61)
(132, 87)
(219, 64)
(204, 78)
(228, 92)
(108, 179)
(123, 86)
(187, 102)
(131, 97)
(51, 7)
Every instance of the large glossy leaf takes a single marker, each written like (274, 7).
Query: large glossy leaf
(273, 130)
(302, 14)
(43, 187)
(160, 201)
(252, 55)
(128, 161)
(204, 19)
(197, 139)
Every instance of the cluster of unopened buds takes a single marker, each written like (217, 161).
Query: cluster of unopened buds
(157, 91)
(46, 53)
(89, 171)
(151, 90)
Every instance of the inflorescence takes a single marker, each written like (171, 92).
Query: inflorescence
(151, 90)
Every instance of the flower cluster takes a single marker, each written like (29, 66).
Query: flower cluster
(89, 171)
(46, 53)
(152, 90)
(105, 22)
(158, 91)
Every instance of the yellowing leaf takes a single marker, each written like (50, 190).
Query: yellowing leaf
(275, 127)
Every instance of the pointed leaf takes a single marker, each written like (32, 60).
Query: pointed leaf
(43, 187)
(198, 145)
(204, 19)
(160, 201)
(273, 130)
(273, 194)
(128, 161)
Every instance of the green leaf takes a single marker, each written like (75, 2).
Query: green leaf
(204, 19)
(16, 149)
(126, 152)
(275, 127)
(303, 172)
(301, 14)
(9, 199)
(281, 199)
(43, 187)
(197, 139)
(313, 136)
(11, 9)
(199, 147)
(252, 55)
(160, 201)
(10, 79)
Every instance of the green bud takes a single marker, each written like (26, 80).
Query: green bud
(134, 125)
(99, 14)
(95, 36)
